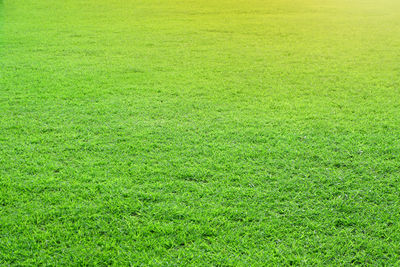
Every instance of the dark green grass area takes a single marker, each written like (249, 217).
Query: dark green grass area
(225, 133)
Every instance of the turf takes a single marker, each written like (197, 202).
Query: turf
(181, 132)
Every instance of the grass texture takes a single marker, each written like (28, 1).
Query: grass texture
(182, 132)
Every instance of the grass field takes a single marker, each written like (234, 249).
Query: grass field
(182, 132)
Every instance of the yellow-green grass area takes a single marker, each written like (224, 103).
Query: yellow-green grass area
(203, 133)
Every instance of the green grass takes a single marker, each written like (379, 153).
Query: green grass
(181, 132)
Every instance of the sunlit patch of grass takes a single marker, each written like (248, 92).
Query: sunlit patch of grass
(199, 132)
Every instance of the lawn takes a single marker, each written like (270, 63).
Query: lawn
(203, 133)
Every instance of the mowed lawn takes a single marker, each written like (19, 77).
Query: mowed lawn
(182, 132)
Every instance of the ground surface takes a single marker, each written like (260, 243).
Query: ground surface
(199, 132)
